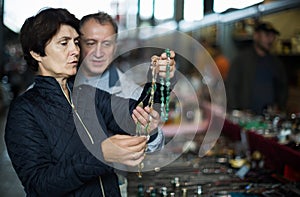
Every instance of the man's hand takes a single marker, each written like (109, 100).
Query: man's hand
(124, 149)
(160, 63)
(145, 116)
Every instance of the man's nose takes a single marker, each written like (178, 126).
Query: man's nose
(98, 51)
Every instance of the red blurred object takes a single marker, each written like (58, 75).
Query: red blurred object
(291, 174)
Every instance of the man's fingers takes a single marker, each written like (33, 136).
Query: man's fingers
(164, 55)
(141, 115)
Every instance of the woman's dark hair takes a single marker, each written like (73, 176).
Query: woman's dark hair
(38, 30)
(102, 18)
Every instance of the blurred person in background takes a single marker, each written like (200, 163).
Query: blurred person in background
(221, 61)
(217, 55)
(42, 139)
(257, 79)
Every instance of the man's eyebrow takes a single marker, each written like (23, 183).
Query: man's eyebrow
(87, 39)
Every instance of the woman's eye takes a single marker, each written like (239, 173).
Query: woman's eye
(64, 43)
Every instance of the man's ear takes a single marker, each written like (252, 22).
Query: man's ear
(35, 55)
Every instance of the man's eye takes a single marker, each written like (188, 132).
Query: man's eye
(106, 44)
(90, 43)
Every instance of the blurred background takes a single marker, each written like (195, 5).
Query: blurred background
(219, 25)
(222, 27)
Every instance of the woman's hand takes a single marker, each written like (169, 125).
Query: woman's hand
(124, 149)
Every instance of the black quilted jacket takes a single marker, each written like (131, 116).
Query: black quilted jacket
(46, 150)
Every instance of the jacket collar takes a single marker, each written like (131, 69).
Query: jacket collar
(50, 82)
(113, 76)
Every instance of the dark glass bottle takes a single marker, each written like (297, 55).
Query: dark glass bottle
(140, 192)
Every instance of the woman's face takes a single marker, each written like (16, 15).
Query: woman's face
(62, 54)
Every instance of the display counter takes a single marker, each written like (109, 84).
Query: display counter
(216, 172)
(210, 175)
(278, 157)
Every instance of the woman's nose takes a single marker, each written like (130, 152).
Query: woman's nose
(75, 49)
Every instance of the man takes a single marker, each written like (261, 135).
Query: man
(98, 40)
(257, 79)
(98, 46)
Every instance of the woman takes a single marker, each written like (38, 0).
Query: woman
(41, 137)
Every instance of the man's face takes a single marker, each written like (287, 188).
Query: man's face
(264, 40)
(98, 46)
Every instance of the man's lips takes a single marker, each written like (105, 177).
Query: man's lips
(98, 62)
